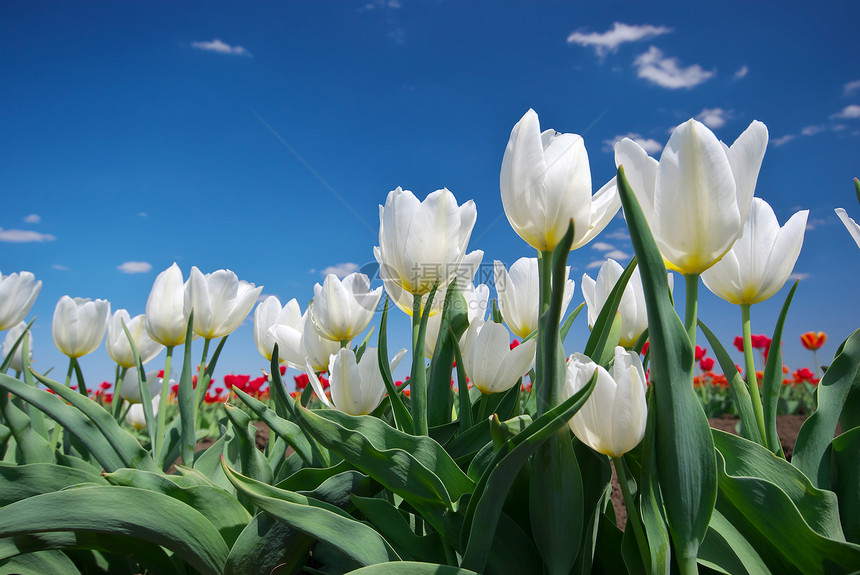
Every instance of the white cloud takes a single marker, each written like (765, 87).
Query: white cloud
(24, 236)
(141, 214)
(848, 112)
(782, 140)
(60, 267)
(815, 222)
(602, 246)
(618, 255)
(340, 270)
(741, 72)
(665, 72)
(650, 145)
(812, 130)
(134, 267)
(852, 87)
(33, 219)
(398, 35)
(799, 276)
(220, 47)
(619, 234)
(594, 264)
(714, 117)
(609, 41)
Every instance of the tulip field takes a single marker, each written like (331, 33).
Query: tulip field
(496, 454)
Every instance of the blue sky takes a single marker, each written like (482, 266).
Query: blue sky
(261, 137)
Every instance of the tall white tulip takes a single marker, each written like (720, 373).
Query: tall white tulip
(297, 343)
(476, 307)
(697, 197)
(117, 344)
(356, 387)
(270, 313)
(342, 309)
(79, 325)
(490, 363)
(18, 292)
(219, 300)
(760, 262)
(518, 291)
(422, 243)
(546, 182)
(135, 416)
(166, 321)
(465, 274)
(12, 336)
(612, 421)
(850, 225)
(634, 316)
(130, 390)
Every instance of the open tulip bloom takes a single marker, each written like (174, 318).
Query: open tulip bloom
(356, 387)
(118, 346)
(219, 300)
(546, 182)
(301, 343)
(79, 325)
(268, 314)
(18, 292)
(476, 299)
(342, 309)
(490, 363)
(518, 292)
(634, 315)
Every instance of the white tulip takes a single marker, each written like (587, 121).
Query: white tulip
(612, 420)
(297, 344)
(850, 225)
(12, 336)
(342, 309)
(518, 291)
(476, 307)
(356, 387)
(634, 316)
(759, 263)
(18, 292)
(135, 417)
(130, 390)
(546, 182)
(268, 314)
(219, 300)
(79, 325)
(490, 363)
(166, 321)
(697, 197)
(117, 344)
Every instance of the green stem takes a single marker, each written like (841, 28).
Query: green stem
(417, 381)
(202, 382)
(482, 408)
(70, 371)
(344, 343)
(632, 512)
(691, 312)
(117, 387)
(162, 407)
(752, 379)
(817, 365)
(541, 390)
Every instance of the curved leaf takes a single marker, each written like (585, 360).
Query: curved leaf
(39, 563)
(285, 429)
(411, 568)
(22, 481)
(268, 546)
(772, 381)
(455, 320)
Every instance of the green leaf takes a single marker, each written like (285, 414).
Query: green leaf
(845, 451)
(389, 521)
(137, 513)
(650, 503)
(772, 380)
(418, 374)
(222, 510)
(817, 431)
(251, 460)
(566, 325)
(39, 563)
(338, 489)
(70, 418)
(728, 550)
(686, 463)
(19, 482)
(402, 417)
(186, 401)
(267, 545)
(485, 505)
(739, 390)
(455, 321)
(34, 448)
(605, 333)
(287, 430)
(357, 542)
(411, 568)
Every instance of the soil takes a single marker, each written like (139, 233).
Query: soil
(787, 426)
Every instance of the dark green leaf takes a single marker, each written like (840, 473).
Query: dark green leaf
(455, 320)
(772, 380)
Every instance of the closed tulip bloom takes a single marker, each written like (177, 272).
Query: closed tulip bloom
(476, 307)
(634, 316)
(117, 344)
(130, 390)
(850, 225)
(356, 387)
(135, 417)
(79, 325)
(296, 344)
(697, 197)
(12, 336)
(342, 309)
(518, 291)
(760, 262)
(18, 292)
(270, 313)
(546, 182)
(219, 300)
(490, 363)
(612, 421)
(166, 321)
(421, 244)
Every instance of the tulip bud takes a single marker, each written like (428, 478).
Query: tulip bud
(117, 344)
(166, 321)
(488, 359)
(219, 300)
(79, 325)
(270, 313)
(519, 294)
(135, 417)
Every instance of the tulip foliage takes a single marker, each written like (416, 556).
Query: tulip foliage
(492, 458)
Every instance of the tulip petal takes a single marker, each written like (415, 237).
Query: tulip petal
(317, 386)
(850, 225)
(745, 157)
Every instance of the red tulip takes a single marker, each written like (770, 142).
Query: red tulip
(700, 353)
(812, 340)
(706, 363)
